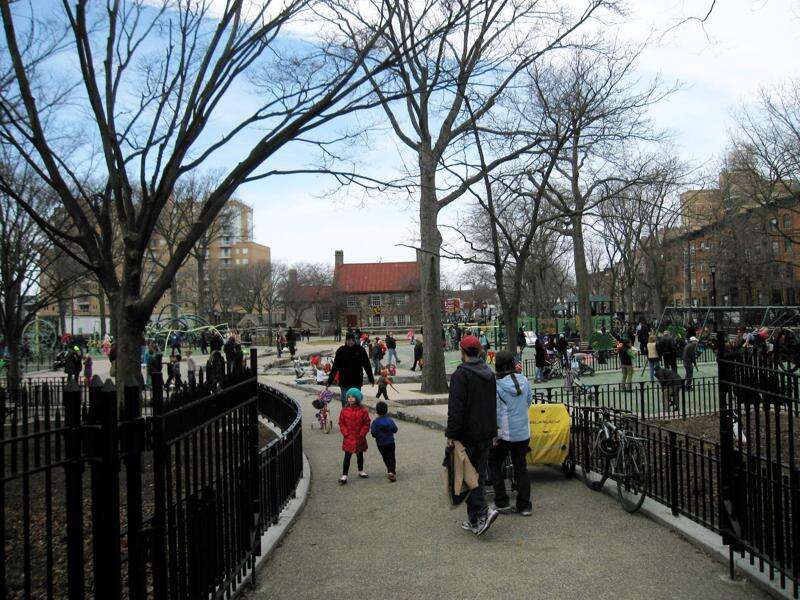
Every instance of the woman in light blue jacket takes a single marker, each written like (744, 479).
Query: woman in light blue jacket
(513, 434)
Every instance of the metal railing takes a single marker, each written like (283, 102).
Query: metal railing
(169, 505)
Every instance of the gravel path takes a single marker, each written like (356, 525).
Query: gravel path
(376, 539)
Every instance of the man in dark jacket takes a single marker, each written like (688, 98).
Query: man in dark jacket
(350, 362)
(417, 355)
(472, 420)
(668, 351)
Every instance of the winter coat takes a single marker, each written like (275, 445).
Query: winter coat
(391, 343)
(690, 352)
(354, 425)
(513, 424)
(350, 362)
(383, 430)
(471, 405)
(417, 350)
(541, 355)
(521, 339)
(652, 352)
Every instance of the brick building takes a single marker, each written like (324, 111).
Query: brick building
(379, 295)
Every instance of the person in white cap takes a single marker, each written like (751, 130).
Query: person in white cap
(689, 360)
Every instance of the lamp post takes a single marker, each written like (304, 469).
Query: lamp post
(713, 268)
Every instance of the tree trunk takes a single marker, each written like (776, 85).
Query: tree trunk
(434, 378)
(173, 301)
(581, 280)
(14, 365)
(202, 309)
(101, 301)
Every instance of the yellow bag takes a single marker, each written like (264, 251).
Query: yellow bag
(550, 425)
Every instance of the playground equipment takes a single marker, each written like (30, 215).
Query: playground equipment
(40, 337)
(730, 318)
(190, 327)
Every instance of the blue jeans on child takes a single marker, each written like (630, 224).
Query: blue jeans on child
(391, 353)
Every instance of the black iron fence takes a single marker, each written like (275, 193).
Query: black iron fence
(741, 479)
(172, 505)
(602, 361)
(645, 399)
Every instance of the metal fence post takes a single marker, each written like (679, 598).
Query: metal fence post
(105, 490)
(642, 401)
(133, 445)
(673, 472)
(158, 549)
(74, 491)
(254, 362)
(683, 402)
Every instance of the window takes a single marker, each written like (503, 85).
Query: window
(703, 283)
(704, 245)
(237, 261)
(375, 300)
(224, 253)
(787, 246)
(226, 262)
(245, 261)
(352, 302)
(773, 224)
(244, 250)
(787, 221)
(327, 316)
(400, 300)
(401, 320)
(376, 320)
(775, 248)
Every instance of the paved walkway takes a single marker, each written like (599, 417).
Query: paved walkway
(375, 539)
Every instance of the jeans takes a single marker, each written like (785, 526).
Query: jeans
(391, 356)
(689, 367)
(376, 366)
(346, 462)
(387, 453)
(478, 453)
(653, 364)
(539, 374)
(518, 452)
(344, 396)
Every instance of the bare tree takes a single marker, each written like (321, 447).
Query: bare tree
(596, 97)
(151, 76)
(476, 57)
(764, 165)
(26, 259)
(307, 288)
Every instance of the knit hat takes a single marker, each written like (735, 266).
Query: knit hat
(470, 342)
(355, 393)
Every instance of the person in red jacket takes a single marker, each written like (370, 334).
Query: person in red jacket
(354, 425)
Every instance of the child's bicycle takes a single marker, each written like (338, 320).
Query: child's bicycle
(323, 414)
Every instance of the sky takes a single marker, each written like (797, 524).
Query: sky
(719, 65)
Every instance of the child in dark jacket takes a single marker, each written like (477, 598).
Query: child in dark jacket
(383, 381)
(383, 429)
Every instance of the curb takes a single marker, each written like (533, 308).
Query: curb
(273, 536)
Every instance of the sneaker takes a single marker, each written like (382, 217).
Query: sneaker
(362, 474)
(467, 526)
(486, 522)
(525, 512)
(503, 509)
(343, 480)
(392, 477)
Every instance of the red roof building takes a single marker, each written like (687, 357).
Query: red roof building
(372, 278)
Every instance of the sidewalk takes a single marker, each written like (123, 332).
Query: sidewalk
(375, 539)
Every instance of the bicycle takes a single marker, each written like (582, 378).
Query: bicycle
(624, 458)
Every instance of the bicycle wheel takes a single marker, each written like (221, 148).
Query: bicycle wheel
(632, 481)
(593, 451)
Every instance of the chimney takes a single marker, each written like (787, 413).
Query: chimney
(338, 258)
(292, 276)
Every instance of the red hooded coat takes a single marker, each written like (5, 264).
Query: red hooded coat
(354, 425)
